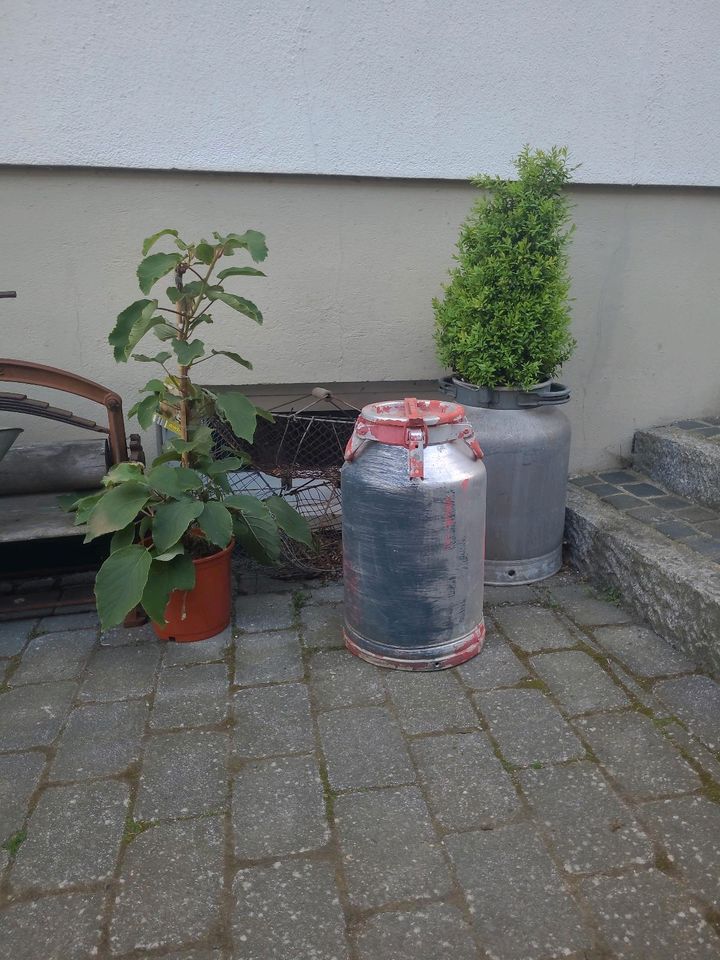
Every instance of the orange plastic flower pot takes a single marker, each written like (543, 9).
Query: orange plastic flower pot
(204, 611)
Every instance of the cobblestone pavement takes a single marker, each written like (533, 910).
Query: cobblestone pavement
(266, 796)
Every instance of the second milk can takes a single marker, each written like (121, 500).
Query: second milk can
(413, 496)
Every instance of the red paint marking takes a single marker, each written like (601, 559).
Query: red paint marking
(470, 647)
(466, 483)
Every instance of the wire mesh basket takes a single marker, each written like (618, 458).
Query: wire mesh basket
(298, 456)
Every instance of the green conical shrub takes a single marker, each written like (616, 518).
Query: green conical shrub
(504, 320)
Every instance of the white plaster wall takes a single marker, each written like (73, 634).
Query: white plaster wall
(392, 88)
(353, 266)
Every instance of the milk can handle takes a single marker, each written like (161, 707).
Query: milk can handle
(557, 393)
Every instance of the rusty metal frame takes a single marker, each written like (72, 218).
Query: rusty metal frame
(40, 375)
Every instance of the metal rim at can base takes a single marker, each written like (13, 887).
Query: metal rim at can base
(461, 650)
(502, 573)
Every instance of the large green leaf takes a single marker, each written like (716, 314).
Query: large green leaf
(240, 272)
(172, 520)
(138, 332)
(233, 356)
(123, 472)
(239, 412)
(201, 441)
(123, 538)
(216, 522)
(187, 352)
(120, 333)
(174, 481)
(154, 267)
(290, 520)
(120, 583)
(116, 508)
(255, 527)
(246, 307)
(165, 331)
(144, 410)
(149, 242)
(178, 573)
(218, 467)
(81, 504)
(252, 240)
(205, 252)
(158, 358)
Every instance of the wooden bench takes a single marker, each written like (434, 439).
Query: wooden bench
(32, 477)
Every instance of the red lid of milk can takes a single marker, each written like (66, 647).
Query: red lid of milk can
(412, 412)
(410, 423)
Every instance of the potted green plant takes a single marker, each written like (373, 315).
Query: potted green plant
(173, 524)
(503, 328)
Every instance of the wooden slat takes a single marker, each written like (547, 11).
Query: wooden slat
(35, 517)
(53, 467)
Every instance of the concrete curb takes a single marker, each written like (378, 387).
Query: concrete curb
(676, 590)
(683, 462)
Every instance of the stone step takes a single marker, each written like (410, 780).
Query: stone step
(684, 457)
(658, 550)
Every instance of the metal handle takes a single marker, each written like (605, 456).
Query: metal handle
(557, 393)
(447, 386)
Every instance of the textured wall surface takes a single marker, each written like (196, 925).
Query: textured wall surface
(391, 88)
(353, 266)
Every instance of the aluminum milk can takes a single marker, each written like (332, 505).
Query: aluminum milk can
(413, 495)
(526, 442)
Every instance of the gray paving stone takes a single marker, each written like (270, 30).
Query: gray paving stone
(534, 628)
(263, 612)
(697, 514)
(272, 721)
(602, 489)
(268, 658)
(99, 739)
(69, 621)
(583, 606)
(435, 931)
(689, 830)
(199, 954)
(528, 728)
(13, 636)
(19, 776)
(363, 747)
(332, 592)
(278, 808)
(122, 673)
(191, 696)
(696, 701)
(578, 682)
(642, 651)
(389, 848)
(288, 911)
(643, 489)
(497, 595)
(591, 828)
(495, 666)
(647, 699)
(650, 514)
(694, 749)
(622, 501)
(464, 781)
(170, 886)
(40, 929)
(646, 916)
(637, 755)
(183, 775)
(430, 702)
(200, 651)
(506, 867)
(618, 476)
(133, 636)
(31, 716)
(54, 656)
(671, 503)
(323, 626)
(73, 836)
(339, 679)
(675, 530)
